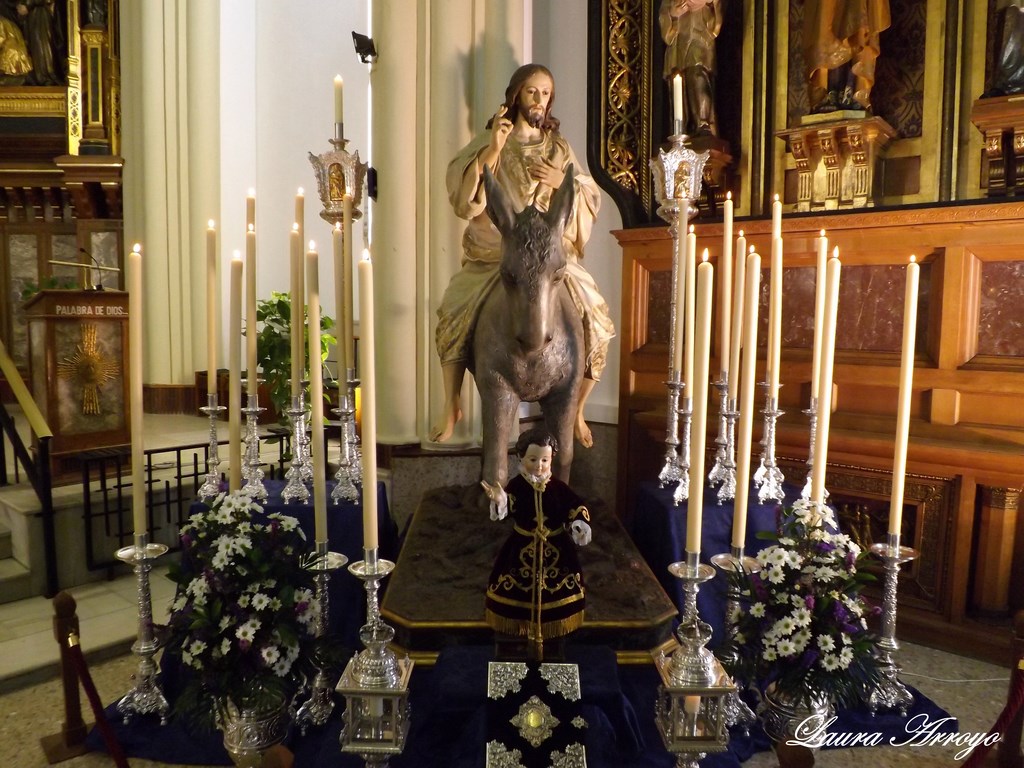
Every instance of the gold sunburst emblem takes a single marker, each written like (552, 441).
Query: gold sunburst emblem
(89, 369)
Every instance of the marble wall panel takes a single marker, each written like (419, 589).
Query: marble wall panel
(103, 247)
(659, 308)
(871, 300)
(23, 270)
(1001, 309)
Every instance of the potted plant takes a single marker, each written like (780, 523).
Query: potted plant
(273, 345)
(801, 634)
(243, 620)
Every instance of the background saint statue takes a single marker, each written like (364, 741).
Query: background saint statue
(689, 29)
(841, 45)
(15, 63)
(1008, 73)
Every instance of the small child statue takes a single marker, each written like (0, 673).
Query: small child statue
(536, 586)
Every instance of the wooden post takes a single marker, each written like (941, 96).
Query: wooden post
(70, 742)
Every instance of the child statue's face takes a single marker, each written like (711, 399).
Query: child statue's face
(537, 460)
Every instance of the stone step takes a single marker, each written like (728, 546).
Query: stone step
(15, 581)
(6, 545)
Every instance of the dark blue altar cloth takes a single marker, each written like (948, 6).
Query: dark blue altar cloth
(658, 528)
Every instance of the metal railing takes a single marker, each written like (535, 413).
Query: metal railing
(173, 477)
(38, 469)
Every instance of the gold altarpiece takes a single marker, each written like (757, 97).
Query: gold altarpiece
(927, 198)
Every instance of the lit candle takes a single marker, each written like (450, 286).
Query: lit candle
(250, 209)
(346, 271)
(699, 419)
(677, 103)
(235, 375)
(725, 289)
(337, 251)
(316, 395)
(300, 214)
(298, 315)
(899, 465)
(776, 217)
(211, 309)
(746, 403)
(679, 297)
(367, 375)
(139, 517)
(339, 99)
(775, 319)
(251, 378)
(819, 308)
(688, 308)
(737, 315)
(828, 342)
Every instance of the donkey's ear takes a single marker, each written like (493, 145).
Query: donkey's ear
(499, 208)
(562, 201)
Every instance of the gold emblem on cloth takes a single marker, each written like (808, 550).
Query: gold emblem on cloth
(535, 721)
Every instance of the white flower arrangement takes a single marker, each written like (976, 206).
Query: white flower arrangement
(245, 614)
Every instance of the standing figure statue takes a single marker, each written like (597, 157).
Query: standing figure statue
(536, 587)
(45, 38)
(529, 159)
(1008, 74)
(15, 64)
(841, 44)
(689, 29)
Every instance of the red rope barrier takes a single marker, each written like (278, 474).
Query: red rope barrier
(113, 745)
(1010, 711)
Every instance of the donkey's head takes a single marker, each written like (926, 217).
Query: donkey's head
(532, 258)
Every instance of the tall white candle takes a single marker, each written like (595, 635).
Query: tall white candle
(316, 395)
(748, 378)
(699, 419)
(211, 309)
(775, 319)
(677, 103)
(250, 209)
(689, 308)
(776, 217)
(135, 311)
(828, 340)
(235, 374)
(300, 214)
(725, 290)
(819, 308)
(737, 315)
(339, 99)
(297, 321)
(899, 465)
(367, 375)
(346, 307)
(679, 297)
(251, 378)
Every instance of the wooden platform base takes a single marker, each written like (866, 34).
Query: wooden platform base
(436, 595)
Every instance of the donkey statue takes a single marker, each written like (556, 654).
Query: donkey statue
(528, 340)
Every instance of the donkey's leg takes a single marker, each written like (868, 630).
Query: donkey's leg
(499, 406)
(559, 408)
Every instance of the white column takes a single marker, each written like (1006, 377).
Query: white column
(157, 60)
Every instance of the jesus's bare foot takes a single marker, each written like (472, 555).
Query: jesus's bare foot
(582, 431)
(446, 425)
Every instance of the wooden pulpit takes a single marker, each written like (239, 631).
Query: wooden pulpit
(78, 369)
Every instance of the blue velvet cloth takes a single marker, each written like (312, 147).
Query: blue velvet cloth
(448, 726)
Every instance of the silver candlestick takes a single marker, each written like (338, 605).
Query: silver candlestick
(211, 487)
(375, 682)
(812, 417)
(318, 708)
(724, 470)
(252, 465)
(683, 489)
(768, 475)
(889, 692)
(349, 477)
(146, 697)
(295, 489)
(690, 711)
(670, 472)
(735, 562)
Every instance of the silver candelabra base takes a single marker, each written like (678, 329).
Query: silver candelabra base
(252, 465)
(683, 489)
(211, 487)
(723, 473)
(349, 476)
(295, 489)
(670, 471)
(735, 562)
(889, 692)
(769, 477)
